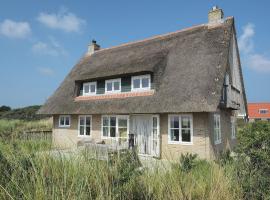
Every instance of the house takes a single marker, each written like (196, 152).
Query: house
(258, 111)
(174, 93)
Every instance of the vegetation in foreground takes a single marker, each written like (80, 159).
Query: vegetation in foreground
(28, 171)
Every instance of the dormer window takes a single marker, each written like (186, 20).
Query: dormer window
(263, 111)
(113, 85)
(142, 82)
(89, 88)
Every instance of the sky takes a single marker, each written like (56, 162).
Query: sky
(40, 41)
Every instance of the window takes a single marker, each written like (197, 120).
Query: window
(89, 88)
(141, 82)
(217, 131)
(263, 111)
(180, 129)
(64, 121)
(113, 85)
(115, 127)
(85, 123)
(233, 127)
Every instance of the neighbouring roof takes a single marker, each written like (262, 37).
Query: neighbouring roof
(254, 110)
(189, 67)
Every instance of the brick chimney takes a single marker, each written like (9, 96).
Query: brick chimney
(215, 15)
(93, 47)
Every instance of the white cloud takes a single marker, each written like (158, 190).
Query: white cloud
(251, 58)
(259, 62)
(14, 29)
(46, 71)
(245, 40)
(62, 20)
(53, 48)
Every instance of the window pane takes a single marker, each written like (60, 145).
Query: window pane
(86, 88)
(81, 121)
(105, 121)
(174, 122)
(174, 134)
(112, 131)
(87, 130)
(81, 130)
(186, 136)
(116, 85)
(67, 121)
(154, 122)
(105, 131)
(122, 132)
(136, 83)
(112, 121)
(145, 82)
(88, 121)
(109, 86)
(154, 134)
(122, 122)
(62, 121)
(185, 122)
(93, 88)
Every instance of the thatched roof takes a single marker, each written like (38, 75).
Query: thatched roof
(188, 65)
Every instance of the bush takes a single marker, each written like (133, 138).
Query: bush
(253, 162)
(187, 161)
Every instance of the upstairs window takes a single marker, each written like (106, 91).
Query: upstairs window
(263, 111)
(180, 129)
(64, 121)
(113, 85)
(89, 88)
(217, 129)
(142, 82)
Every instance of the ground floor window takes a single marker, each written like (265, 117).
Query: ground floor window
(115, 126)
(85, 122)
(180, 129)
(64, 121)
(217, 129)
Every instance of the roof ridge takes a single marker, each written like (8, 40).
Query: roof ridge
(157, 36)
(149, 39)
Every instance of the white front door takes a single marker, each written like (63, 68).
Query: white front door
(146, 131)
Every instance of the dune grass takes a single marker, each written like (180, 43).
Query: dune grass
(26, 174)
(28, 170)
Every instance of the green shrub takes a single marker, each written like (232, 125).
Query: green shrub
(187, 161)
(253, 161)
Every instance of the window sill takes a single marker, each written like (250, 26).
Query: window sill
(64, 126)
(84, 136)
(181, 143)
(217, 142)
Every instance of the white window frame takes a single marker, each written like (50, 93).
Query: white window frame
(113, 81)
(91, 125)
(59, 121)
(89, 85)
(116, 131)
(233, 128)
(180, 129)
(217, 130)
(140, 77)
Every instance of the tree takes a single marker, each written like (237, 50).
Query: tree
(4, 108)
(254, 160)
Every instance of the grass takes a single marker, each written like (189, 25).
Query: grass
(28, 171)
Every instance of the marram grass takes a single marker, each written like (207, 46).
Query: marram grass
(30, 171)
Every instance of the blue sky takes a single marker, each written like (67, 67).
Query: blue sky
(40, 41)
